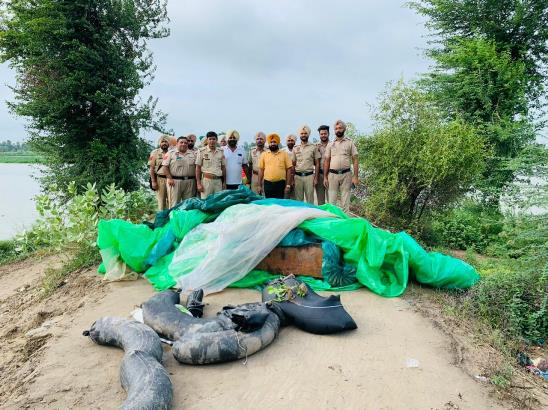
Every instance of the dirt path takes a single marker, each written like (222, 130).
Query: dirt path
(55, 367)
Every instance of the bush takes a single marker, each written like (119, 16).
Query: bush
(70, 222)
(7, 250)
(416, 161)
(468, 226)
(513, 297)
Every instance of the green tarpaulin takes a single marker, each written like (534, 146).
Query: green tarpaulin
(384, 261)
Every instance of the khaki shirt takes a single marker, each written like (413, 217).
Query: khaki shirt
(253, 157)
(181, 164)
(156, 158)
(341, 153)
(211, 161)
(305, 156)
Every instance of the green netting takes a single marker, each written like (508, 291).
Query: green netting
(384, 261)
(134, 243)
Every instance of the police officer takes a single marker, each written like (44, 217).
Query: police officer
(321, 192)
(180, 170)
(157, 174)
(192, 142)
(253, 160)
(290, 145)
(306, 160)
(339, 155)
(210, 167)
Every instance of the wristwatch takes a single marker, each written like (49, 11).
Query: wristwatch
(288, 186)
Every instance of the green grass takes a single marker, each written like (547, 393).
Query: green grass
(84, 257)
(20, 157)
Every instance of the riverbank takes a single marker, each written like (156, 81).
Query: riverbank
(20, 157)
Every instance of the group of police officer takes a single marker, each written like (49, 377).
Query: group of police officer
(309, 172)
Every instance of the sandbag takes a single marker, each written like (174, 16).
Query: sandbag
(141, 373)
(231, 335)
(296, 303)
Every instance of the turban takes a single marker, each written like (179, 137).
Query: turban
(291, 137)
(273, 138)
(260, 134)
(304, 128)
(231, 133)
(341, 123)
(164, 138)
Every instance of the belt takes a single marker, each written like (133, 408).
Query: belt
(184, 178)
(160, 176)
(210, 176)
(304, 174)
(339, 171)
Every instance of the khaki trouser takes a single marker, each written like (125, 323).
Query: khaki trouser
(304, 188)
(255, 183)
(162, 194)
(211, 186)
(340, 184)
(183, 189)
(320, 191)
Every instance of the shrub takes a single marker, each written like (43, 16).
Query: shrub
(468, 226)
(513, 297)
(416, 161)
(71, 222)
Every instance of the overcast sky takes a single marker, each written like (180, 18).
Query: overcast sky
(272, 65)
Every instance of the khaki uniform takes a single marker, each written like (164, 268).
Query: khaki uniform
(340, 153)
(291, 193)
(253, 160)
(196, 193)
(304, 157)
(156, 158)
(212, 172)
(320, 188)
(182, 168)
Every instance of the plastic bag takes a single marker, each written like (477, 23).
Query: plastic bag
(214, 255)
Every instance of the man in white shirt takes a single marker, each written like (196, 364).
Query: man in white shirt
(235, 159)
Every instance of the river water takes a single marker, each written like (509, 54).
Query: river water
(18, 187)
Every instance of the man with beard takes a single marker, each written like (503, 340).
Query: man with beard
(210, 167)
(235, 160)
(306, 161)
(339, 154)
(157, 174)
(253, 160)
(275, 168)
(322, 145)
(191, 138)
(180, 170)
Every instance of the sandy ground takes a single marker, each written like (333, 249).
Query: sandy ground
(46, 363)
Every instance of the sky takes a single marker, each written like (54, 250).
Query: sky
(272, 65)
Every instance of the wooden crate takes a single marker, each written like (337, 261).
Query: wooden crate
(302, 260)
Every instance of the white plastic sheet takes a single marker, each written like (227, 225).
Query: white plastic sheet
(214, 255)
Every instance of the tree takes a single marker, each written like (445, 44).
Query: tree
(80, 65)
(515, 26)
(491, 69)
(474, 81)
(416, 160)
